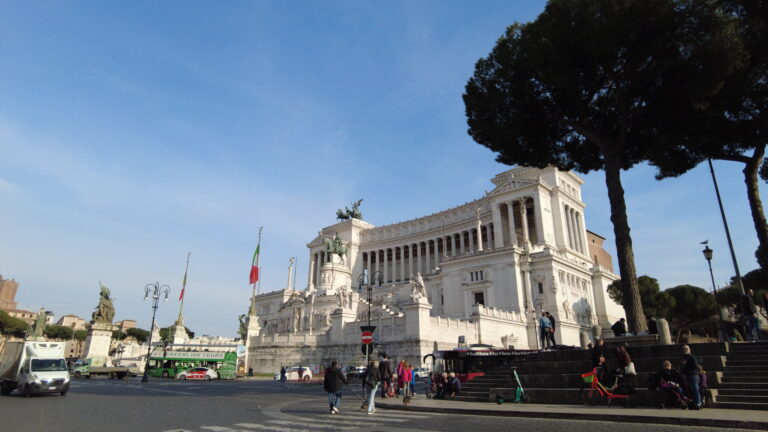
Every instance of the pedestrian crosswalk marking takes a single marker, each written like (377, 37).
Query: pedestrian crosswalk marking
(268, 427)
(314, 424)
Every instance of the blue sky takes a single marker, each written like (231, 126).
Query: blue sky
(132, 133)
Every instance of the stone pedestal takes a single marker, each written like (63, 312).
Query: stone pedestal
(339, 319)
(662, 326)
(417, 324)
(333, 276)
(97, 342)
(179, 335)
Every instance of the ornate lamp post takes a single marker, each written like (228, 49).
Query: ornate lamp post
(364, 282)
(155, 290)
(708, 256)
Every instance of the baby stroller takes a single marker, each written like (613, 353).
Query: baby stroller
(676, 394)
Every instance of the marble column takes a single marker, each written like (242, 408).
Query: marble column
(453, 245)
(512, 230)
(479, 236)
(498, 237)
(311, 272)
(580, 234)
(402, 263)
(463, 249)
(418, 257)
(410, 261)
(524, 221)
(427, 264)
(437, 253)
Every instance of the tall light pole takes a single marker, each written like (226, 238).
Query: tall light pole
(364, 282)
(708, 256)
(155, 290)
(727, 231)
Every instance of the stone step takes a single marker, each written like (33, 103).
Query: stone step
(757, 367)
(742, 405)
(750, 374)
(738, 383)
(740, 391)
(742, 399)
(746, 360)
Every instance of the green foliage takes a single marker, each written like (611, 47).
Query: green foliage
(167, 336)
(119, 335)
(80, 335)
(58, 332)
(692, 305)
(656, 303)
(11, 326)
(579, 88)
(140, 335)
(730, 298)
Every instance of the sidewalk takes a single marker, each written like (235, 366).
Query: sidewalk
(709, 417)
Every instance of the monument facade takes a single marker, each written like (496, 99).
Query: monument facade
(483, 270)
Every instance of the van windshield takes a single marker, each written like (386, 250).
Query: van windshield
(48, 365)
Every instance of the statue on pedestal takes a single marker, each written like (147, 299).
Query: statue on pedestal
(350, 214)
(417, 288)
(105, 311)
(335, 246)
(38, 328)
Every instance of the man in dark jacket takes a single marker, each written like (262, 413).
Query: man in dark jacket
(619, 328)
(332, 384)
(371, 384)
(750, 315)
(551, 334)
(690, 369)
(385, 371)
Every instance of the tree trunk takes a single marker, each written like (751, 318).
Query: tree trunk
(756, 205)
(626, 257)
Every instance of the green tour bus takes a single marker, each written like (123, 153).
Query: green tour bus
(168, 361)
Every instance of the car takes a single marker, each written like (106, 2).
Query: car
(420, 373)
(292, 374)
(199, 373)
(355, 371)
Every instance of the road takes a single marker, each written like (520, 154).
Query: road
(248, 406)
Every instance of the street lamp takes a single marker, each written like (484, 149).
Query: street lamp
(155, 290)
(708, 256)
(363, 281)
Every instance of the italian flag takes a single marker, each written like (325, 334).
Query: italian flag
(255, 266)
(183, 286)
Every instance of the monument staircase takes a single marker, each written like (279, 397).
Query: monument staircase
(737, 375)
(745, 377)
(386, 310)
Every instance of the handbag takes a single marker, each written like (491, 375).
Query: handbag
(630, 369)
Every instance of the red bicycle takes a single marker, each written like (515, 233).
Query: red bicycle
(595, 393)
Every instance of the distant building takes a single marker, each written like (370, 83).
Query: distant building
(24, 315)
(50, 317)
(72, 321)
(124, 325)
(599, 255)
(8, 289)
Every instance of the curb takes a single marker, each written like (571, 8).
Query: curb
(674, 421)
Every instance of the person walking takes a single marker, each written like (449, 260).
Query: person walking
(624, 360)
(551, 334)
(332, 383)
(386, 376)
(690, 369)
(371, 384)
(405, 381)
(545, 326)
(282, 375)
(399, 371)
(749, 310)
(301, 373)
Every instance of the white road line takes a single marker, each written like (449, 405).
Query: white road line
(313, 424)
(177, 430)
(351, 421)
(268, 427)
(221, 429)
(164, 391)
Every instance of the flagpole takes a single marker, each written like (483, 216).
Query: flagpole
(255, 292)
(180, 320)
